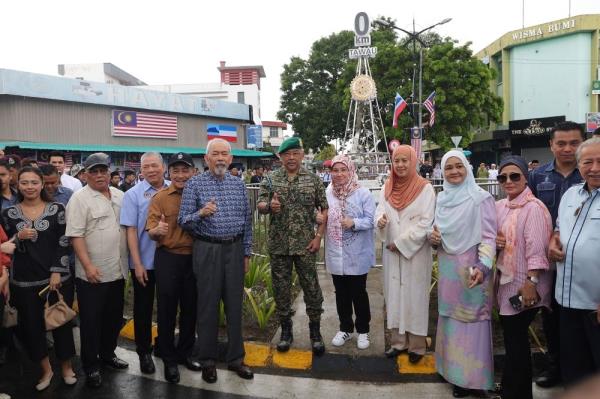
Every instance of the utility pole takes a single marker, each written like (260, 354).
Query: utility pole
(414, 36)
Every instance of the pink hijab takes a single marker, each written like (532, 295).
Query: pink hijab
(400, 192)
(343, 191)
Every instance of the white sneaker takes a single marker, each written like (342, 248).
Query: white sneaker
(363, 341)
(340, 338)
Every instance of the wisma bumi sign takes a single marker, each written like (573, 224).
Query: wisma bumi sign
(553, 27)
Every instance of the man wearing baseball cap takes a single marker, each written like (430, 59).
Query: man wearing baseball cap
(93, 224)
(78, 172)
(173, 270)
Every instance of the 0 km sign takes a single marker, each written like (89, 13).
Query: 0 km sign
(362, 38)
(362, 27)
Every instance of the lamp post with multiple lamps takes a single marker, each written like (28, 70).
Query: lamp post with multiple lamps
(414, 37)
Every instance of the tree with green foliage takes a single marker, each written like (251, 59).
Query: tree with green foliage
(310, 101)
(327, 152)
(316, 93)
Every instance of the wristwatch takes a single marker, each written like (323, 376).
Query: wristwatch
(534, 280)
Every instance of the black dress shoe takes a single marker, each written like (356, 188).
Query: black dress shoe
(414, 357)
(459, 392)
(147, 364)
(393, 352)
(209, 374)
(115, 363)
(172, 373)
(93, 379)
(192, 364)
(548, 379)
(242, 371)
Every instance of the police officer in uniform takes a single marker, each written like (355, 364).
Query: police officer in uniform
(292, 196)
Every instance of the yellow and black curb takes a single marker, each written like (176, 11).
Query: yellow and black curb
(265, 356)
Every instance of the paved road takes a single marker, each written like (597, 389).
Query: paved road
(17, 378)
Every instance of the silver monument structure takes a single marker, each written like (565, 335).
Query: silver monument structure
(364, 137)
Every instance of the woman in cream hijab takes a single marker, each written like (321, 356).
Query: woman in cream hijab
(404, 218)
(465, 230)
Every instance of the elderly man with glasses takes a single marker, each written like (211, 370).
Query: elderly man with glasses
(575, 247)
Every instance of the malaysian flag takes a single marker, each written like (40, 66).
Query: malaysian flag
(430, 105)
(142, 124)
(416, 140)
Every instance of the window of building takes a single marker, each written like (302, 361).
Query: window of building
(241, 97)
(273, 132)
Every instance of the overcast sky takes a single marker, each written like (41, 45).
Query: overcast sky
(179, 41)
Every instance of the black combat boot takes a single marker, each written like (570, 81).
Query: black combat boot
(318, 347)
(287, 336)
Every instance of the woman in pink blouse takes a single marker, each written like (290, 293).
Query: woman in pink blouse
(523, 283)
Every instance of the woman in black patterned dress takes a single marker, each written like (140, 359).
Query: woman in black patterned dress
(41, 259)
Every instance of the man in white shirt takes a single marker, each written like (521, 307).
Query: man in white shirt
(58, 159)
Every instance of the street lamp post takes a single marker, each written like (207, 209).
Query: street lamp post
(414, 38)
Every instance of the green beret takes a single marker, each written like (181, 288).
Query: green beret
(289, 144)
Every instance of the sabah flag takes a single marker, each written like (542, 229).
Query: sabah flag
(399, 105)
(226, 132)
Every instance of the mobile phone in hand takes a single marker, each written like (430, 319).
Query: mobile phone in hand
(516, 302)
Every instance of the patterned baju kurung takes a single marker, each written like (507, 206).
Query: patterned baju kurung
(463, 349)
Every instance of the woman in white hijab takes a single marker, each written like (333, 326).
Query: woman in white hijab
(465, 230)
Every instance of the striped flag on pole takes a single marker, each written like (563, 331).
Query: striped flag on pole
(399, 105)
(430, 105)
(416, 140)
(225, 132)
(142, 124)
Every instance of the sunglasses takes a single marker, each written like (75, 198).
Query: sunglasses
(514, 177)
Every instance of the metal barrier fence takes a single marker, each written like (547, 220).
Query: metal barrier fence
(260, 222)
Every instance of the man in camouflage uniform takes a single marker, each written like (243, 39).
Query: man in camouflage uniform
(291, 195)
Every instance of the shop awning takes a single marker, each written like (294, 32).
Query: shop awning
(236, 152)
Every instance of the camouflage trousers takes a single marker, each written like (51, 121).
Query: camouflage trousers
(281, 275)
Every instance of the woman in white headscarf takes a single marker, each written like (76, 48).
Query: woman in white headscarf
(465, 230)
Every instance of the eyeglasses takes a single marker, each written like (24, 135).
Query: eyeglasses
(514, 177)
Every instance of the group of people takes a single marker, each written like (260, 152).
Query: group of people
(188, 242)
(534, 250)
(189, 249)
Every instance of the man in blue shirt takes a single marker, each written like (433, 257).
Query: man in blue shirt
(576, 249)
(215, 211)
(141, 253)
(52, 185)
(548, 183)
